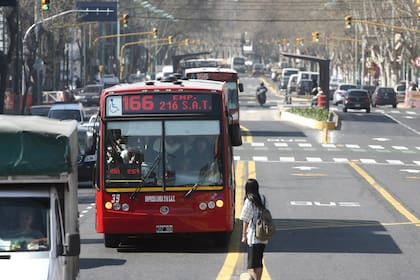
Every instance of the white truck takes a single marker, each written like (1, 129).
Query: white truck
(39, 228)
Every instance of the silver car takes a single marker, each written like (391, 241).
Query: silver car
(338, 93)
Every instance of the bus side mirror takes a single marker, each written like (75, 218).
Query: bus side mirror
(72, 244)
(90, 141)
(241, 87)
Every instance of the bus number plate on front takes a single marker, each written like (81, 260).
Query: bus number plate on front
(164, 228)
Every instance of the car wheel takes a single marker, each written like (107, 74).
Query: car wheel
(344, 109)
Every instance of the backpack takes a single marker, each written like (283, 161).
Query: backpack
(264, 226)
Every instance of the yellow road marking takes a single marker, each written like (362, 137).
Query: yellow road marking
(246, 135)
(234, 255)
(395, 203)
(234, 245)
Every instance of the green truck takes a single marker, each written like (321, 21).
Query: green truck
(39, 228)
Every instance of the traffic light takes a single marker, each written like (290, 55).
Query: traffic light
(155, 32)
(125, 20)
(418, 8)
(45, 5)
(300, 42)
(170, 39)
(315, 37)
(348, 22)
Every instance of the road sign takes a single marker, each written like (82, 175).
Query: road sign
(417, 62)
(98, 6)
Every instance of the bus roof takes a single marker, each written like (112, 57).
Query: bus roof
(210, 69)
(163, 85)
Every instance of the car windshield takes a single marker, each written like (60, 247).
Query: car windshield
(24, 224)
(346, 87)
(358, 93)
(386, 90)
(65, 115)
(135, 155)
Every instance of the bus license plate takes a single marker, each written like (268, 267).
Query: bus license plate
(164, 228)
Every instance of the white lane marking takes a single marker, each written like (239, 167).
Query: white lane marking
(259, 158)
(305, 145)
(340, 160)
(329, 146)
(400, 148)
(367, 160)
(352, 146)
(376, 147)
(254, 144)
(287, 159)
(314, 159)
(281, 145)
(395, 162)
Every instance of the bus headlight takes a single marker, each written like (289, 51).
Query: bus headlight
(117, 206)
(125, 207)
(219, 203)
(202, 206)
(211, 204)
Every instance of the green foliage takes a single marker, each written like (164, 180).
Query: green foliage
(319, 114)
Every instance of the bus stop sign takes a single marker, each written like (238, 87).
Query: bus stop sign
(98, 6)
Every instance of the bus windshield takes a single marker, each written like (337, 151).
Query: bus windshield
(24, 224)
(192, 153)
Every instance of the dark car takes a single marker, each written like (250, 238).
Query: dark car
(384, 96)
(257, 69)
(356, 99)
(304, 87)
(85, 163)
(40, 110)
(90, 94)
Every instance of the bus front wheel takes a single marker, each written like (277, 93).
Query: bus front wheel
(111, 240)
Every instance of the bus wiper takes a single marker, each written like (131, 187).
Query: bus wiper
(193, 188)
(155, 163)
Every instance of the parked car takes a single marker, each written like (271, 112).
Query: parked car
(67, 111)
(304, 87)
(291, 85)
(284, 80)
(257, 69)
(384, 96)
(356, 99)
(90, 94)
(400, 89)
(338, 93)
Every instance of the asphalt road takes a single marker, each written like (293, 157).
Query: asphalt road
(343, 210)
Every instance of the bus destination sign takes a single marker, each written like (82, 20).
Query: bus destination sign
(159, 103)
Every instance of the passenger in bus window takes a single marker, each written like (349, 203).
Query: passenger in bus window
(199, 155)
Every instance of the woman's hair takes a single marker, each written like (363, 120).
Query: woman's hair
(252, 193)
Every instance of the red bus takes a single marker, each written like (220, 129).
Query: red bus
(231, 78)
(186, 185)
